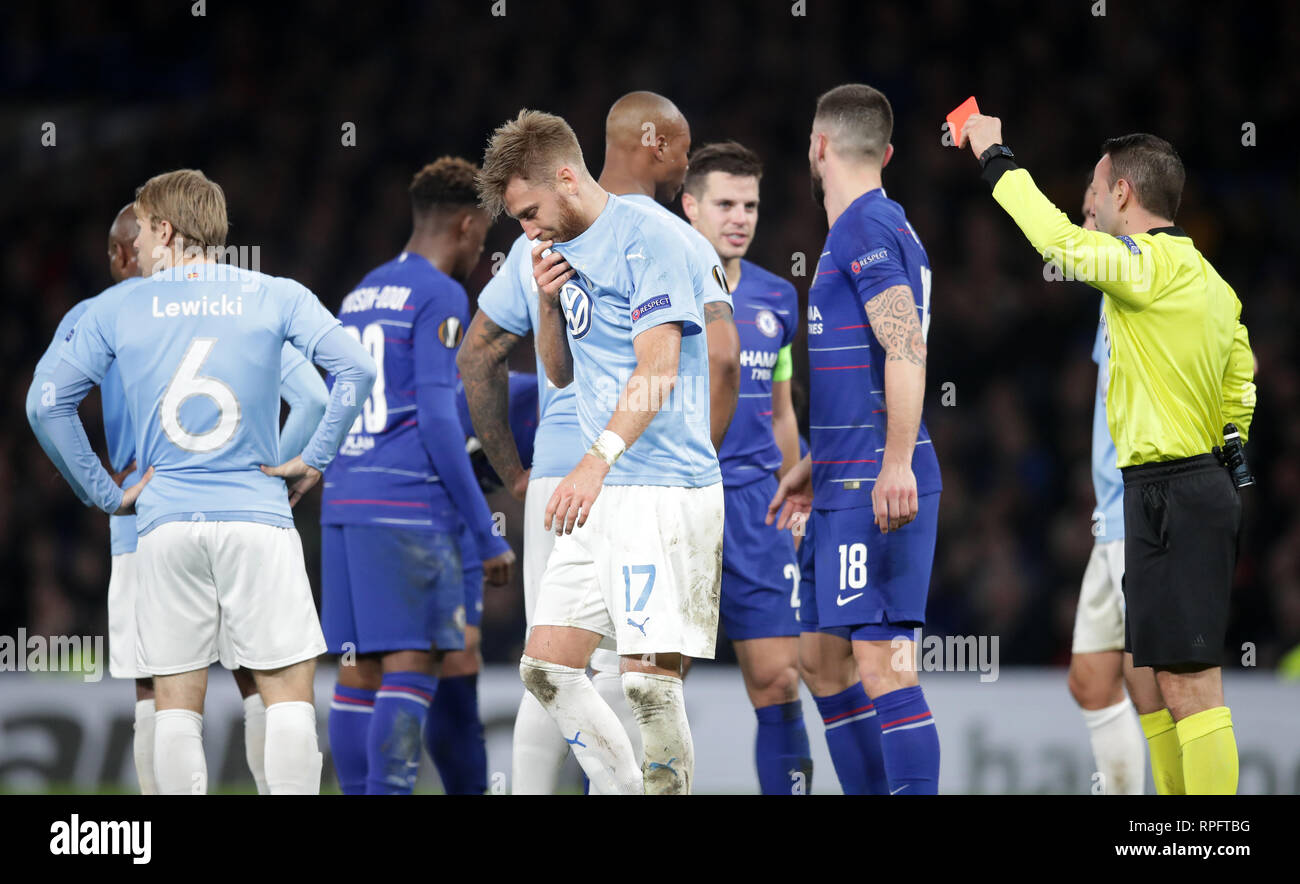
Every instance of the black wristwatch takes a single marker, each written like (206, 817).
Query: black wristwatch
(997, 150)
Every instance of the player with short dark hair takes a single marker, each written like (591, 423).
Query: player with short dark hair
(872, 478)
(760, 580)
(392, 572)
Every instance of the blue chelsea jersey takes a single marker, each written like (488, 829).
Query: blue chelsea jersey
(870, 248)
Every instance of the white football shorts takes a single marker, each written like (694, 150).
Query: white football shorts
(645, 570)
(1099, 619)
(123, 581)
(200, 578)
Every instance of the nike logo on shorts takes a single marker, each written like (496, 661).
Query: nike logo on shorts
(844, 601)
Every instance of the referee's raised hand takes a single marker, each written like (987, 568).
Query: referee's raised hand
(982, 132)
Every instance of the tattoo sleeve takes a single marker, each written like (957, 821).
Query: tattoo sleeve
(486, 375)
(892, 315)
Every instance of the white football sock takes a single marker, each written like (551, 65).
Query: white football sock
(609, 684)
(1118, 747)
(538, 751)
(599, 742)
(142, 745)
(293, 758)
(255, 740)
(668, 766)
(179, 765)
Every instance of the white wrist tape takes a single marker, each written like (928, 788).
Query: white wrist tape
(609, 447)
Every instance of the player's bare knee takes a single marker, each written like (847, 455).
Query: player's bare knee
(458, 664)
(184, 690)
(772, 684)
(1142, 688)
(362, 672)
(883, 677)
(825, 677)
(410, 661)
(288, 684)
(1092, 689)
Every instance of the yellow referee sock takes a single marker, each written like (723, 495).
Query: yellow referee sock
(1209, 752)
(1166, 754)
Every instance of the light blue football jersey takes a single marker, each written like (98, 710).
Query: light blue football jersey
(118, 429)
(706, 258)
(199, 349)
(510, 300)
(1107, 482)
(635, 270)
(117, 423)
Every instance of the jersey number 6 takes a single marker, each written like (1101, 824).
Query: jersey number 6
(187, 383)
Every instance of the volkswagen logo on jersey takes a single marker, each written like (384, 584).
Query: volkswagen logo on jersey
(767, 323)
(576, 304)
(450, 331)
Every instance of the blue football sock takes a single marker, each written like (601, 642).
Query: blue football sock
(454, 736)
(397, 732)
(350, 714)
(853, 738)
(781, 750)
(909, 741)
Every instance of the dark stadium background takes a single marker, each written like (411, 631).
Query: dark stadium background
(256, 96)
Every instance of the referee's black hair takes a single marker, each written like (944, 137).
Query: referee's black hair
(1152, 166)
(446, 184)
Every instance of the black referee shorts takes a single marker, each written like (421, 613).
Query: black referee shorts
(1181, 519)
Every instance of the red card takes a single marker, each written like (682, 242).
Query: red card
(958, 118)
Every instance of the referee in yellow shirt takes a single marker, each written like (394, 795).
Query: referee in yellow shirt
(1180, 369)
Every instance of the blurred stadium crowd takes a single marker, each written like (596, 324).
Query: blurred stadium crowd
(258, 96)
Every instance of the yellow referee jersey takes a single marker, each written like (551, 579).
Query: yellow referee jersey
(1180, 359)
